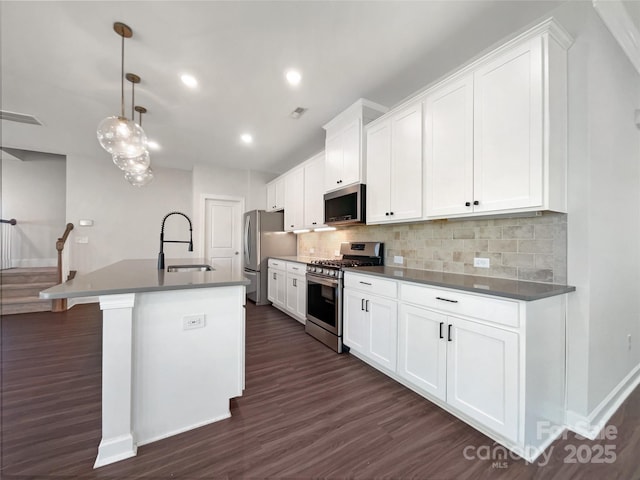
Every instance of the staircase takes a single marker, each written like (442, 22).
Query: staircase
(20, 287)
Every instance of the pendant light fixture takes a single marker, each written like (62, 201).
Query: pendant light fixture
(117, 134)
(139, 163)
(139, 179)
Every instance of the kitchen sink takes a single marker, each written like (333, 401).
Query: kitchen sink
(189, 268)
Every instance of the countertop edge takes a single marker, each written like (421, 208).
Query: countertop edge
(563, 289)
(120, 291)
(292, 258)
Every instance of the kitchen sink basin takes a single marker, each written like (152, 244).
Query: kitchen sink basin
(189, 268)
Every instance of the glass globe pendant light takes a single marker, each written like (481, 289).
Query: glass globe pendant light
(138, 163)
(139, 179)
(117, 134)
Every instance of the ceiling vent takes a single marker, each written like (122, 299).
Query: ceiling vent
(19, 117)
(297, 113)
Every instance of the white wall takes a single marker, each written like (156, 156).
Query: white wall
(126, 219)
(248, 184)
(604, 218)
(33, 192)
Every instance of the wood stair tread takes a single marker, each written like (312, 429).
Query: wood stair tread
(15, 300)
(19, 271)
(16, 286)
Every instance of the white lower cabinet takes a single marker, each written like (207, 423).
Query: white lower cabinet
(276, 285)
(287, 288)
(422, 353)
(372, 328)
(296, 301)
(471, 366)
(496, 363)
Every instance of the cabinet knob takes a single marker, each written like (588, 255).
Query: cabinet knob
(387, 214)
(314, 223)
(476, 202)
(291, 226)
(390, 213)
(467, 204)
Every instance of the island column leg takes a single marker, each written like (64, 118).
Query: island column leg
(117, 441)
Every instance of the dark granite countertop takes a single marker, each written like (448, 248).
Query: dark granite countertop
(500, 287)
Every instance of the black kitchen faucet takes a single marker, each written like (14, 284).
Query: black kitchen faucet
(163, 241)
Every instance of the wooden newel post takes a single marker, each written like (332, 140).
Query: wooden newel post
(60, 304)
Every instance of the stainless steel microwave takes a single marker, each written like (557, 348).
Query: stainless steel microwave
(345, 206)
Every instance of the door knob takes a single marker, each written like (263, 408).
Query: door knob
(236, 253)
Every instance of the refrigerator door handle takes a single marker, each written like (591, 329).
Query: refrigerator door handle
(247, 240)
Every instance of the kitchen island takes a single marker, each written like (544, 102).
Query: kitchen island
(173, 349)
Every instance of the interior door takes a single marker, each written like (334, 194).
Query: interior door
(223, 242)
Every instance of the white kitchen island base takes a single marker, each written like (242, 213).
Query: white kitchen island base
(172, 360)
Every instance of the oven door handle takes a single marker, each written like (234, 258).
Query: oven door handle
(322, 280)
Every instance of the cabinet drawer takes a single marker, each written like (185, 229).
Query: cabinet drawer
(503, 312)
(371, 284)
(297, 268)
(277, 264)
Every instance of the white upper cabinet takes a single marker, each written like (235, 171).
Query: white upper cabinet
(378, 166)
(508, 130)
(394, 167)
(448, 148)
(406, 164)
(495, 132)
(294, 200)
(275, 195)
(344, 158)
(314, 192)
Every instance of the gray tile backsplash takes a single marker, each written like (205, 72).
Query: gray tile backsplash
(531, 248)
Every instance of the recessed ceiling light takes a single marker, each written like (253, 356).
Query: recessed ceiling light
(293, 77)
(153, 145)
(189, 80)
(246, 138)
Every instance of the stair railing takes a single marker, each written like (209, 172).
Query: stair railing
(60, 304)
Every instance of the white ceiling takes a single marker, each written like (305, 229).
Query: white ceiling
(61, 62)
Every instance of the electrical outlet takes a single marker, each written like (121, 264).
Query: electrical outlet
(336, 253)
(82, 239)
(312, 251)
(481, 262)
(629, 341)
(399, 259)
(190, 322)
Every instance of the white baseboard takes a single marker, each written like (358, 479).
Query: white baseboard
(591, 425)
(81, 300)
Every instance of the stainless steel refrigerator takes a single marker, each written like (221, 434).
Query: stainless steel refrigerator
(264, 237)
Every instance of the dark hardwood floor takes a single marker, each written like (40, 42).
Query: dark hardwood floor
(306, 413)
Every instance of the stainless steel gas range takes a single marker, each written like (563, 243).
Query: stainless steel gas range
(324, 289)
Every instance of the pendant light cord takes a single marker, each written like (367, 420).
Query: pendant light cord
(133, 100)
(122, 79)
